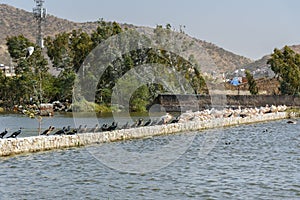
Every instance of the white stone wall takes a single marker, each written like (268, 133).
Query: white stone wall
(43, 143)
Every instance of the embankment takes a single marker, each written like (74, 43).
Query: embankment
(179, 103)
(43, 143)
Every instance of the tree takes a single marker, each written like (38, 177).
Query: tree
(17, 46)
(251, 82)
(30, 71)
(286, 66)
(59, 50)
(81, 45)
(104, 31)
(64, 85)
(69, 50)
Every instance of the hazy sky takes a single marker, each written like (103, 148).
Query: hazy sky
(252, 28)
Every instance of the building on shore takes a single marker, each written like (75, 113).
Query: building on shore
(7, 71)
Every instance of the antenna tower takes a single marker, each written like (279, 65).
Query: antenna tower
(40, 15)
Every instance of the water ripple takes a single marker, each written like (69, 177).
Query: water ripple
(247, 163)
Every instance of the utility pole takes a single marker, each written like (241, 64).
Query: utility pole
(40, 15)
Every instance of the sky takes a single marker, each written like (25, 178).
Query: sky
(251, 28)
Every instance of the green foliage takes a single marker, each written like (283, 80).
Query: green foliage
(251, 82)
(140, 99)
(286, 66)
(17, 46)
(104, 31)
(64, 85)
(59, 50)
(31, 71)
(68, 51)
(87, 106)
(32, 80)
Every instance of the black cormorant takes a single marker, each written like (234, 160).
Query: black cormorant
(140, 122)
(113, 126)
(104, 127)
(3, 133)
(60, 132)
(48, 131)
(15, 134)
(148, 122)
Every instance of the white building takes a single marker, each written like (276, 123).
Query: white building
(7, 71)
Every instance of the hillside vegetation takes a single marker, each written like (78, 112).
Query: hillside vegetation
(14, 22)
(68, 44)
(261, 68)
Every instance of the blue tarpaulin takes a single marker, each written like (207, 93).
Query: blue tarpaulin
(235, 81)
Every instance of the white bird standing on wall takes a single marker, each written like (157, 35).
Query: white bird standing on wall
(166, 118)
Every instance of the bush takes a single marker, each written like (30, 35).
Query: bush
(90, 107)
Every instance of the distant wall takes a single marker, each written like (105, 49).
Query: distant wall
(177, 103)
(265, 86)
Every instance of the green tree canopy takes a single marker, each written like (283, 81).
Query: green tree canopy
(286, 66)
(30, 71)
(251, 82)
(68, 52)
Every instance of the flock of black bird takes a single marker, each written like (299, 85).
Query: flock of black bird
(84, 129)
(13, 135)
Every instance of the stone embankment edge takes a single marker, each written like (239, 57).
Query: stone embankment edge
(15, 146)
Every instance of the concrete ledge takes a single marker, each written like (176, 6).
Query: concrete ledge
(43, 143)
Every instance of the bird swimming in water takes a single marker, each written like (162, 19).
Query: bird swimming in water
(15, 134)
(291, 122)
(3, 133)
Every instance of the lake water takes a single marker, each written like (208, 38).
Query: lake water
(30, 126)
(259, 161)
